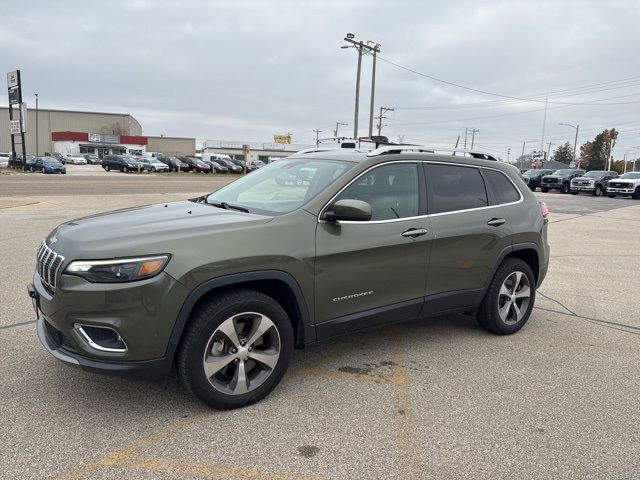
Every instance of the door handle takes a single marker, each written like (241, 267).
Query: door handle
(496, 222)
(414, 232)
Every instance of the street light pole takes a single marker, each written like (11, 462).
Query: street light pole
(37, 153)
(335, 132)
(355, 119)
(575, 141)
(375, 48)
(317, 132)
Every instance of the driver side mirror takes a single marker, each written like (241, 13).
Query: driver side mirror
(348, 210)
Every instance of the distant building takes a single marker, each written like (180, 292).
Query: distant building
(257, 150)
(70, 131)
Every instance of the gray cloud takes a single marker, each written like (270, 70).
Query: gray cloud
(247, 70)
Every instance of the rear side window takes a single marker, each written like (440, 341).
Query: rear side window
(502, 188)
(455, 188)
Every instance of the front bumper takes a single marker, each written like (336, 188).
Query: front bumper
(582, 188)
(551, 186)
(142, 314)
(620, 191)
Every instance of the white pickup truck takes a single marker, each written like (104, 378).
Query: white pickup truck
(625, 185)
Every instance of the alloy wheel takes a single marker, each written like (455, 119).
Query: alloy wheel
(242, 353)
(513, 300)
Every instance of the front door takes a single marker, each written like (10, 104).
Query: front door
(371, 272)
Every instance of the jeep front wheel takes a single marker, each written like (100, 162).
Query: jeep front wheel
(509, 299)
(235, 349)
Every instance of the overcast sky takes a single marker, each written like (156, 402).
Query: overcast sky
(245, 70)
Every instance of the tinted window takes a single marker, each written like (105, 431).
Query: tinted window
(502, 188)
(391, 190)
(455, 188)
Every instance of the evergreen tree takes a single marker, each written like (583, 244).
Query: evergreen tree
(564, 154)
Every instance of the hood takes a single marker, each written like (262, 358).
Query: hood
(552, 176)
(150, 229)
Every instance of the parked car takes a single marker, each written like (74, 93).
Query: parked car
(143, 290)
(196, 165)
(560, 180)
(19, 162)
(627, 184)
(56, 155)
(218, 168)
(4, 160)
(233, 168)
(174, 164)
(122, 163)
(593, 182)
(152, 164)
(47, 165)
(76, 159)
(92, 159)
(533, 177)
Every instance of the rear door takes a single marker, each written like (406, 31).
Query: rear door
(470, 231)
(377, 264)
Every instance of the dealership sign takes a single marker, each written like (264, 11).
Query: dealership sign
(13, 79)
(15, 127)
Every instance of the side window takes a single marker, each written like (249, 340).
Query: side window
(455, 188)
(391, 190)
(502, 188)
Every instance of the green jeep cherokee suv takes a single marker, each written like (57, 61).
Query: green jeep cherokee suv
(224, 286)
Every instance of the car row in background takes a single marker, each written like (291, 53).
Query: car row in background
(576, 181)
(165, 163)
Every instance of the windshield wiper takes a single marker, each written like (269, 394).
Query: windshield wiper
(228, 206)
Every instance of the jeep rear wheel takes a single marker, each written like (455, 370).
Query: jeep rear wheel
(509, 299)
(235, 349)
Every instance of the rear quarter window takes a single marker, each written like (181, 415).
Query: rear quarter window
(502, 188)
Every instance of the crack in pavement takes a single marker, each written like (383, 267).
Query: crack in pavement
(19, 324)
(605, 323)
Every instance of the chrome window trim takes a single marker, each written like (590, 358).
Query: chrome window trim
(375, 222)
(85, 336)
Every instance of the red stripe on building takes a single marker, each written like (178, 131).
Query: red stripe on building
(74, 136)
(133, 139)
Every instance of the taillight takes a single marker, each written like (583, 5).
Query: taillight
(544, 210)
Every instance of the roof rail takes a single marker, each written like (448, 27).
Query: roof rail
(389, 149)
(325, 149)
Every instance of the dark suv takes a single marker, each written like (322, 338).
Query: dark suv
(560, 180)
(122, 163)
(366, 240)
(533, 177)
(593, 182)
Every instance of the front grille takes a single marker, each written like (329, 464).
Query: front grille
(620, 185)
(48, 264)
(551, 180)
(58, 339)
(582, 183)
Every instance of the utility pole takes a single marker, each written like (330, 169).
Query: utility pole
(575, 141)
(382, 111)
(372, 48)
(549, 150)
(611, 145)
(465, 137)
(317, 132)
(509, 155)
(37, 153)
(544, 123)
(375, 48)
(473, 136)
(335, 132)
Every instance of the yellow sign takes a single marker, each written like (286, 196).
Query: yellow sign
(286, 138)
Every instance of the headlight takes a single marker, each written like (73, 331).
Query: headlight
(118, 271)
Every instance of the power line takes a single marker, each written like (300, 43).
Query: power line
(484, 92)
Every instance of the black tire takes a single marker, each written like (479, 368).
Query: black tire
(125, 169)
(43, 170)
(597, 192)
(574, 193)
(533, 186)
(487, 315)
(107, 168)
(636, 193)
(611, 196)
(564, 188)
(204, 322)
(544, 190)
(31, 169)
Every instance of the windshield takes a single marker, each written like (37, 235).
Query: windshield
(564, 171)
(281, 187)
(531, 172)
(50, 160)
(127, 158)
(630, 175)
(594, 174)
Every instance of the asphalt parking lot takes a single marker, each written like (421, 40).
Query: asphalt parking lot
(432, 399)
